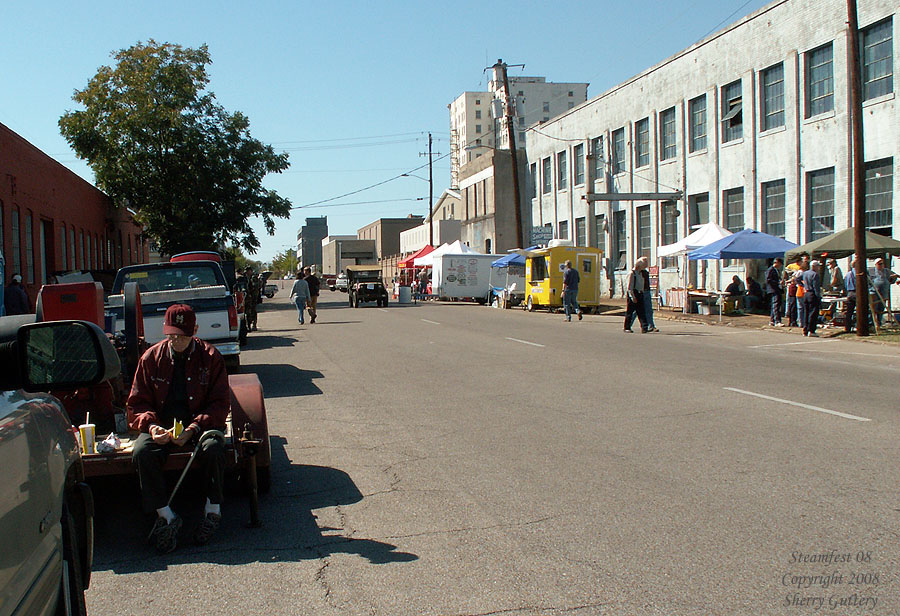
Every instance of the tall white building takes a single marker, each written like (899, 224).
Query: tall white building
(475, 116)
(751, 124)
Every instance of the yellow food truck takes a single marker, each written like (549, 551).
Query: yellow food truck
(544, 276)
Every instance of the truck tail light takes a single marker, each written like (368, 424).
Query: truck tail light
(232, 317)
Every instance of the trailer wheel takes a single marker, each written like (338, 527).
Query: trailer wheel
(529, 305)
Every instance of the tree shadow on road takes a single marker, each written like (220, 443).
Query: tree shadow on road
(290, 531)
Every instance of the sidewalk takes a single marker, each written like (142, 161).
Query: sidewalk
(616, 306)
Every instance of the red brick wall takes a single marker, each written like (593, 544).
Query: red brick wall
(35, 187)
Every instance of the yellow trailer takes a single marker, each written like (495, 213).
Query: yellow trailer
(544, 276)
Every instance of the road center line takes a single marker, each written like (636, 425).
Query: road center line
(800, 404)
(762, 346)
(432, 322)
(525, 342)
(383, 309)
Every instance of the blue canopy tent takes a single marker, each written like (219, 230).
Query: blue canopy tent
(510, 259)
(746, 244)
(509, 294)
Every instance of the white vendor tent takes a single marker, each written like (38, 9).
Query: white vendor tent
(703, 236)
(456, 248)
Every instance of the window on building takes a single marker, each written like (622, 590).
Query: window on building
(29, 248)
(546, 118)
(597, 157)
(642, 143)
(2, 244)
(72, 248)
(478, 129)
(571, 93)
(879, 196)
(669, 231)
(771, 97)
(732, 112)
(521, 120)
(578, 163)
(478, 114)
(571, 104)
(64, 257)
(618, 151)
(698, 210)
(643, 231)
(546, 176)
(621, 239)
(81, 260)
(580, 231)
(522, 138)
(773, 208)
(819, 81)
(877, 59)
(562, 172)
(733, 213)
(563, 230)
(667, 145)
(546, 107)
(697, 108)
(820, 203)
(600, 233)
(16, 243)
(477, 101)
(534, 180)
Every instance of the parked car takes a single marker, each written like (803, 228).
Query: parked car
(329, 280)
(46, 509)
(340, 282)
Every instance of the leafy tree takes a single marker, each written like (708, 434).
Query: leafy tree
(284, 262)
(158, 142)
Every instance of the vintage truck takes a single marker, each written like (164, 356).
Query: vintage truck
(200, 284)
(364, 284)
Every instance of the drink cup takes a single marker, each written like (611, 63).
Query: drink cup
(88, 437)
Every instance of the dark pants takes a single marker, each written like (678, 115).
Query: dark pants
(250, 312)
(792, 310)
(811, 303)
(775, 307)
(149, 458)
(636, 307)
(849, 312)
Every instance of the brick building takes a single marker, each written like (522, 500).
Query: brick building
(52, 221)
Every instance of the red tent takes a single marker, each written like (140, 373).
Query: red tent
(408, 261)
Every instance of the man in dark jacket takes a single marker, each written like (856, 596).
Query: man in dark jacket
(15, 299)
(180, 381)
(314, 283)
(812, 298)
(775, 289)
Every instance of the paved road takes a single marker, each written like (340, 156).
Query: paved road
(461, 460)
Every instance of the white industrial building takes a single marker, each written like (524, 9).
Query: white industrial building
(475, 116)
(751, 124)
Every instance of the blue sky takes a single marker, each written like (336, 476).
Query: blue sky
(349, 89)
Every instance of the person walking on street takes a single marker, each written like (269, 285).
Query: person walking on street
(880, 280)
(850, 295)
(313, 282)
(570, 291)
(775, 287)
(635, 294)
(251, 298)
(300, 296)
(648, 300)
(15, 299)
(180, 380)
(812, 297)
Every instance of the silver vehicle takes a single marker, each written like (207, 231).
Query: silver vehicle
(46, 510)
(340, 282)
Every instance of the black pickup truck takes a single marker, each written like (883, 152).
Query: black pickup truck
(364, 284)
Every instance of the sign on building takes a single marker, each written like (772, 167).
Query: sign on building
(541, 235)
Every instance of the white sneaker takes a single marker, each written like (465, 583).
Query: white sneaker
(779, 324)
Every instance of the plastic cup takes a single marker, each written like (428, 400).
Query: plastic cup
(88, 437)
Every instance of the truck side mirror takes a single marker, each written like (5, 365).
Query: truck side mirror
(64, 355)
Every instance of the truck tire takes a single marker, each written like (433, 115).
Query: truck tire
(242, 333)
(233, 364)
(529, 305)
(71, 583)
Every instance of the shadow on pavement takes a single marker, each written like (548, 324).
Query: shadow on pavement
(256, 340)
(285, 380)
(289, 533)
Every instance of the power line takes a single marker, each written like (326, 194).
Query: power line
(348, 138)
(299, 207)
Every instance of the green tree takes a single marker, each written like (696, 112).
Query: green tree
(284, 262)
(159, 143)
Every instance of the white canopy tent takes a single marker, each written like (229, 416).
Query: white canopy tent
(703, 235)
(456, 248)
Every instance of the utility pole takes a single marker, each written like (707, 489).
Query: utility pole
(430, 156)
(500, 71)
(859, 176)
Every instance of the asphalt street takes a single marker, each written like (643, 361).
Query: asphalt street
(456, 459)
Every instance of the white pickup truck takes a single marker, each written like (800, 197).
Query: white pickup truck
(200, 284)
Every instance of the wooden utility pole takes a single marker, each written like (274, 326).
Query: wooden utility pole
(500, 69)
(430, 197)
(859, 175)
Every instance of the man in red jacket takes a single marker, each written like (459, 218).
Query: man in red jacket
(180, 379)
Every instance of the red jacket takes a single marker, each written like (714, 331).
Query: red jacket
(209, 397)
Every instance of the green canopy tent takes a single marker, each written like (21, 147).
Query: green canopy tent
(842, 244)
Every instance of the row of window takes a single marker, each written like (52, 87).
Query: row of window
(876, 54)
(76, 249)
(819, 214)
